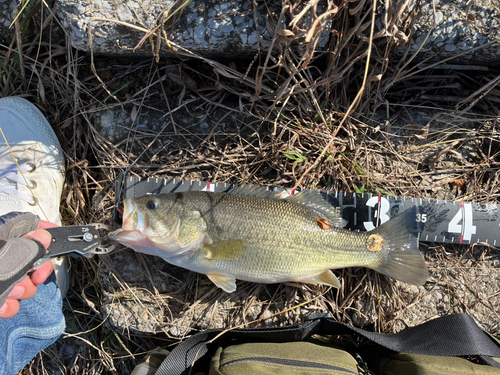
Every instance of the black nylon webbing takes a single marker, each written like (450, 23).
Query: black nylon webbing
(451, 335)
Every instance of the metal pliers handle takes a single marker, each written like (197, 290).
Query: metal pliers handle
(83, 240)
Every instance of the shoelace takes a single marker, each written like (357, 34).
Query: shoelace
(11, 173)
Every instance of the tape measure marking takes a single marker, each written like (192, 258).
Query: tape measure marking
(441, 221)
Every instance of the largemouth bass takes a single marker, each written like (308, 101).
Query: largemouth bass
(255, 236)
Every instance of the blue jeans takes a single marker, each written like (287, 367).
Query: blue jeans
(38, 324)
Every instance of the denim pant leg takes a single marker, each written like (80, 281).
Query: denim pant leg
(38, 324)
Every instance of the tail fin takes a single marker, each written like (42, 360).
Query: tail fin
(401, 258)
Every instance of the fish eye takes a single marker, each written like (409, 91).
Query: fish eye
(151, 205)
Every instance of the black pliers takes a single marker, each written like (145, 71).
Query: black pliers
(83, 240)
(79, 240)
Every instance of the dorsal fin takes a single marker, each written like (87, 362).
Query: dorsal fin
(315, 202)
(254, 191)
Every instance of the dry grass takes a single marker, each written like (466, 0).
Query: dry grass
(345, 118)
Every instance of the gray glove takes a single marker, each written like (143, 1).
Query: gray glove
(17, 255)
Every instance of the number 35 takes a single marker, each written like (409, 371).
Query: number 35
(421, 218)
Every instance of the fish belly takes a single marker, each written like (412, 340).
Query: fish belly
(274, 255)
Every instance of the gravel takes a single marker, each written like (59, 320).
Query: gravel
(225, 28)
(455, 27)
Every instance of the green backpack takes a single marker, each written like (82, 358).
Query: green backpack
(434, 347)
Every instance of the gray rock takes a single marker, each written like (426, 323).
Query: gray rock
(116, 124)
(438, 18)
(226, 27)
(253, 38)
(191, 17)
(193, 30)
(199, 34)
(458, 27)
(450, 47)
(479, 24)
(124, 13)
(8, 12)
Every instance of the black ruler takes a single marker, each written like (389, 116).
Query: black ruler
(441, 221)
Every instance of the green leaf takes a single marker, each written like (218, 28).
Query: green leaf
(358, 169)
(298, 158)
(116, 91)
(21, 11)
(322, 107)
(382, 191)
(362, 190)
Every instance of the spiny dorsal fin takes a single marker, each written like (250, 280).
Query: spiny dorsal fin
(314, 201)
(254, 191)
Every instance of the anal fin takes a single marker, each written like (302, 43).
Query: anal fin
(226, 283)
(324, 278)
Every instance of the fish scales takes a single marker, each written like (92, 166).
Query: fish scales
(237, 236)
(283, 239)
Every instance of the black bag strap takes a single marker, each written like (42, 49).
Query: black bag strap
(451, 335)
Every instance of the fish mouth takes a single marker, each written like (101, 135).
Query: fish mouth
(134, 224)
(127, 236)
(134, 233)
(133, 219)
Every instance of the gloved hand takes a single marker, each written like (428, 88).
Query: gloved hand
(17, 256)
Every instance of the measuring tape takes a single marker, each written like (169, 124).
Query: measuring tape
(441, 221)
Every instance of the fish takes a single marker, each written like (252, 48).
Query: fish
(258, 236)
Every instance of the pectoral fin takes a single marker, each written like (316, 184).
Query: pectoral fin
(226, 283)
(325, 278)
(224, 250)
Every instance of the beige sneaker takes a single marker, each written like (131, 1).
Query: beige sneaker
(39, 157)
